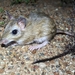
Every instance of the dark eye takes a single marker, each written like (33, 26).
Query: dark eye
(14, 31)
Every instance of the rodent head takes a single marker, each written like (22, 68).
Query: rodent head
(13, 30)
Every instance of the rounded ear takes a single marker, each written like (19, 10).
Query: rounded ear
(21, 22)
(10, 17)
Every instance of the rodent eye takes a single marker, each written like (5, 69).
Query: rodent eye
(14, 31)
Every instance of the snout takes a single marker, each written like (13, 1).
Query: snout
(8, 44)
(3, 45)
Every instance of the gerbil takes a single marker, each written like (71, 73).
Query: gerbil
(37, 27)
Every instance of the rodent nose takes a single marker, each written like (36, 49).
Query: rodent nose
(3, 45)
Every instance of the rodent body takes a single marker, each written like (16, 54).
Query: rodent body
(37, 27)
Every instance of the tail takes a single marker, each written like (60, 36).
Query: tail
(69, 51)
(65, 33)
(55, 57)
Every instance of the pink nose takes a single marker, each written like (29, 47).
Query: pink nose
(2, 43)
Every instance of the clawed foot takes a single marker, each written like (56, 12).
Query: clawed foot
(33, 47)
(38, 46)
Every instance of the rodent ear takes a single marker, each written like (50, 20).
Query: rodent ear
(21, 22)
(10, 17)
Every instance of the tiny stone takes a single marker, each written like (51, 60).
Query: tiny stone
(22, 62)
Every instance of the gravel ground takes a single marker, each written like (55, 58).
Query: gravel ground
(18, 60)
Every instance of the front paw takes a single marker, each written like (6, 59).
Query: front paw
(33, 48)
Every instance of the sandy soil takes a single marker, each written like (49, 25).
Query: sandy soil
(18, 60)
